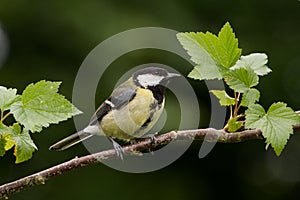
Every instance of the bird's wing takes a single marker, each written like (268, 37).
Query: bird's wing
(113, 102)
(123, 98)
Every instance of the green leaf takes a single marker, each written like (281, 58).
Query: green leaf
(212, 54)
(222, 48)
(7, 97)
(251, 96)
(5, 133)
(228, 52)
(2, 145)
(224, 98)
(206, 67)
(24, 146)
(210, 43)
(40, 105)
(242, 79)
(202, 72)
(9, 142)
(4, 129)
(276, 125)
(234, 125)
(256, 61)
(14, 136)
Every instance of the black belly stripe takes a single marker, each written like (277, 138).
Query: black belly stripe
(153, 108)
(145, 125)
(147, 122)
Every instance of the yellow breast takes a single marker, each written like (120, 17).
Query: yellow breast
(126, 123)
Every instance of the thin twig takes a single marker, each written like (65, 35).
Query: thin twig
(209, 134)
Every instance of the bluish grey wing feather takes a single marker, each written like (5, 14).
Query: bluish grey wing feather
(114, 102)
(100, 112)
(123, 98)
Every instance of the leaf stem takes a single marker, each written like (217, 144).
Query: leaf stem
(239, 107)
(240, 116)
(234, 113)
(5, 116)
(236, 106)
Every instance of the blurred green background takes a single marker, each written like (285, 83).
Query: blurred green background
(50, 39)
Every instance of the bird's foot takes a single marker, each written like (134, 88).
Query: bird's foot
(153, 137)
(119, 150)
(153, 141)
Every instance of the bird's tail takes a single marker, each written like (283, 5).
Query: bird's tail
(70, 141)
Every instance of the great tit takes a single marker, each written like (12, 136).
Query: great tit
(130, 112)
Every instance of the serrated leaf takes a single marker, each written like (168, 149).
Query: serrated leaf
(206, 67)
(222, 48)
(229, 52)
(40, 106)
(234, 125)
(212, 54)
(224, 98)
(40, 88)
(9, 142)
(22, 142)
(251, 96)
(5, 133)
(256, 61)
(202, 72)
(210, 43)
(242, 79)
(7, 97)
(276, 125)
(24, 146)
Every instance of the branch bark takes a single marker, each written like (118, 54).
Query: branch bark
(208, 134)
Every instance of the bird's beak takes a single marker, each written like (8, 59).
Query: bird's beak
(172, 75)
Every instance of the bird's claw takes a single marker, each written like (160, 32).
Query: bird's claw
(153, 140)
(153, 137)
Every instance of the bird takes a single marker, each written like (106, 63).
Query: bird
(130, 112)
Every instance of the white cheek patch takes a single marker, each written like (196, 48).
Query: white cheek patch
(149, 79)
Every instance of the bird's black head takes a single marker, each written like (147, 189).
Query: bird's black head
(152, 76)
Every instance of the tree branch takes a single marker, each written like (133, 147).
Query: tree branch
(209, 134)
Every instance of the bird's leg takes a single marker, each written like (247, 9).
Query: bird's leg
(119, 150)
